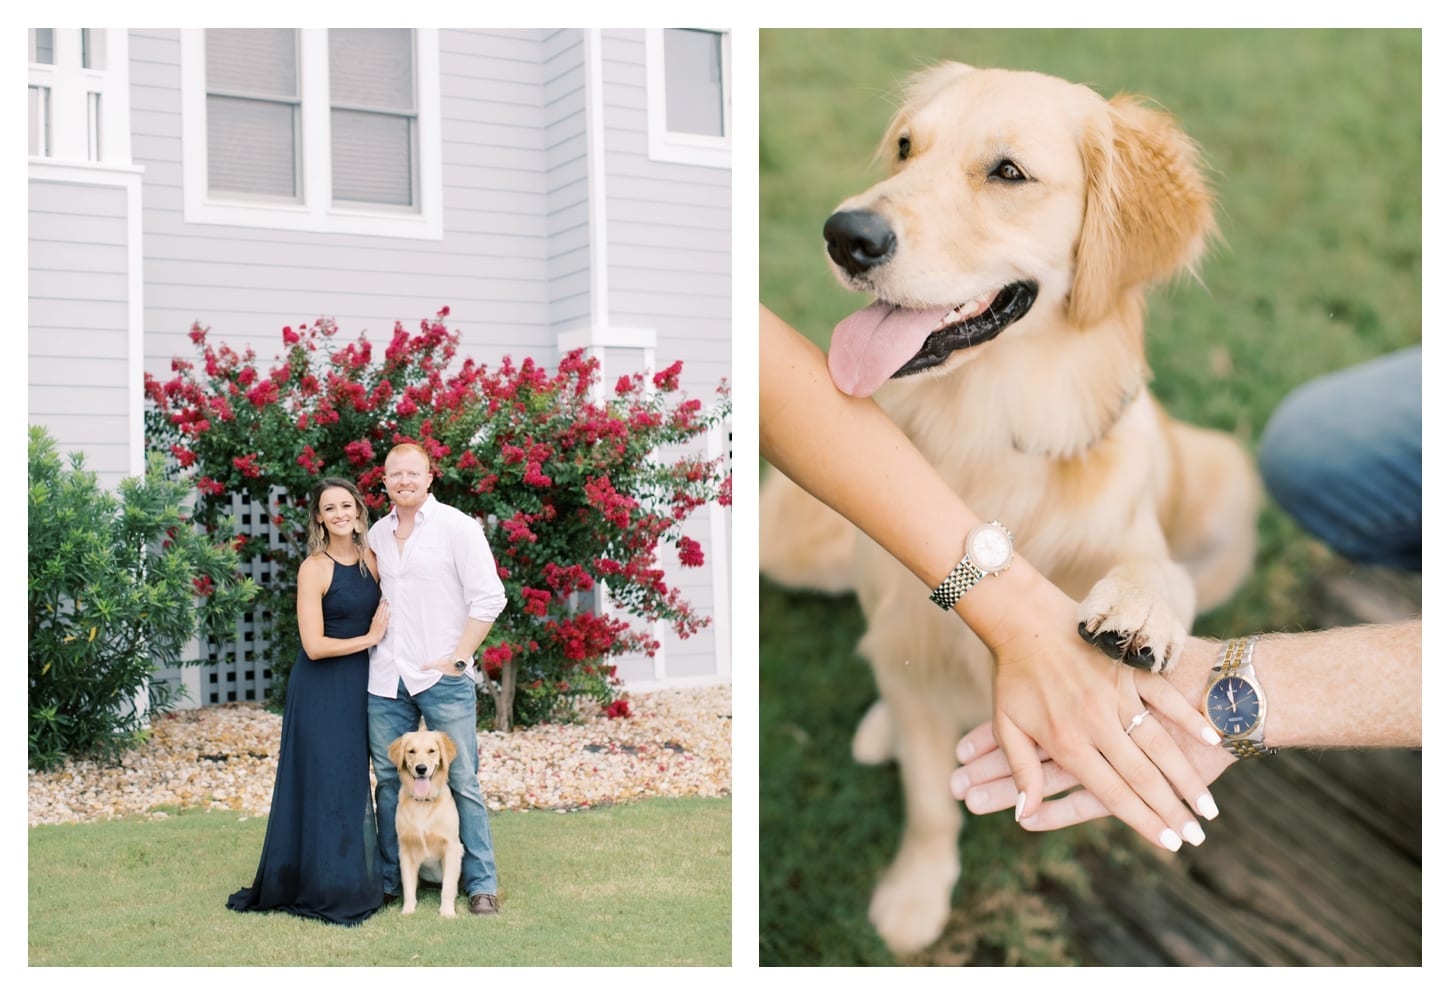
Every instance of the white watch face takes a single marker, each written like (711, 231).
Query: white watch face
(990, 547)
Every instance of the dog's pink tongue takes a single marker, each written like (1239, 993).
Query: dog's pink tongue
(422, 787)
(870, 345)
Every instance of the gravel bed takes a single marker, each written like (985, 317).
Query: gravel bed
(676, 743)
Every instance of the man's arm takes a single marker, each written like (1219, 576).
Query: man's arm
(1348, 688)
(483, 592)
(472, 637)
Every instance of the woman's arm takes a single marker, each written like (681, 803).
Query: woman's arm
(313, 579)
(1347, 688)
(1051, 689)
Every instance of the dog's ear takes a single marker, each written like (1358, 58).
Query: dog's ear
(395, 751)
(447, 747)
(1148, 211)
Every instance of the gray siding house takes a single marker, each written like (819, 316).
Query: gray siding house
(555, 189)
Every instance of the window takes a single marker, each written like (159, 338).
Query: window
(93, 48)
(42, 46)
(40, 121)
(374, 116)
(312, 129)
(42, 53)
(79, 96)
(694, 83)
(688, 95)
(253, 112)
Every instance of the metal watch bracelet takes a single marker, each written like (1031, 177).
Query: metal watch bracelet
(988, 551)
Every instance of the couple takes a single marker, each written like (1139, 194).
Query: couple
(421, 591)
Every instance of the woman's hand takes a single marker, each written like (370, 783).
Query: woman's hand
(1056, 696)
(380, 623)
(1172, 735)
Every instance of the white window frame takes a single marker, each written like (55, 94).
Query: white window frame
(315, 211)
(679, 146)
(88, 107)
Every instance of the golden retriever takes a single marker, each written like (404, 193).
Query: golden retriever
(1008, 253)
(427, 818)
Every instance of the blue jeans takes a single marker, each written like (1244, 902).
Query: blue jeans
(449, 706)
(1341, 455)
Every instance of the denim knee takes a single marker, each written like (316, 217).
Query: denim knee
(1342, 456)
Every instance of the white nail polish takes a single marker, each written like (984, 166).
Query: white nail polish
(1209, 736)
(1170, 840)
(1021, 802)
(1206, 807)
(1193, 833)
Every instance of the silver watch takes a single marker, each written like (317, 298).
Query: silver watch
(988, 552)
(1234, 701)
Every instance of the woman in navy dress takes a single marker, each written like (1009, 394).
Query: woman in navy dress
(320, 857)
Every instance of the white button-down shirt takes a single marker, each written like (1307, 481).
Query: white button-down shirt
(444, 576)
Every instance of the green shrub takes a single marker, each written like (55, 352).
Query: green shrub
(117, 587)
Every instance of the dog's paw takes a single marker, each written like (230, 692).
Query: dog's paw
(1132, 625)
(448, 912)
(911, 903)
(409, 909)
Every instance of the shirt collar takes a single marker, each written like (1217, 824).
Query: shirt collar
(423, 508)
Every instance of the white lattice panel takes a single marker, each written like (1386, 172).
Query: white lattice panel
(239, 668)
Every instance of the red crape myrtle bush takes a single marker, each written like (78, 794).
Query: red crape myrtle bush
(570, 482)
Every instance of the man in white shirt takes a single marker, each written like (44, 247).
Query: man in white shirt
(439, 576)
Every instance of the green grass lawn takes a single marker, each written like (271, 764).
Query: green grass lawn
(632, 885)
(1313, 138)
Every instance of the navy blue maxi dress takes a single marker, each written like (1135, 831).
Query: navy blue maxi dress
(320, 857)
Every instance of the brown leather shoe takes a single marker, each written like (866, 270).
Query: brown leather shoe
(483, 905)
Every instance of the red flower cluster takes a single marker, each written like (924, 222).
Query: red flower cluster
(248, 465)
(614, 506)
(309, 460)
(359, 453)
(536, 602)
(691, 555)
(669, 377)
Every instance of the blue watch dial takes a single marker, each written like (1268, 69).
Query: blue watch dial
(1233, 706)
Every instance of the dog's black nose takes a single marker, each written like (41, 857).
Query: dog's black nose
(858, 240)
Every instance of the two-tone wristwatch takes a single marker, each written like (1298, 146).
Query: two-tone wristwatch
(1234, 701)
(988, 552)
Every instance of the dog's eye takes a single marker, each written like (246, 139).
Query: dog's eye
(903, 148)
(1009, 171)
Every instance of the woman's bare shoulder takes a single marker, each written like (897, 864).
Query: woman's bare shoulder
(315, 566)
